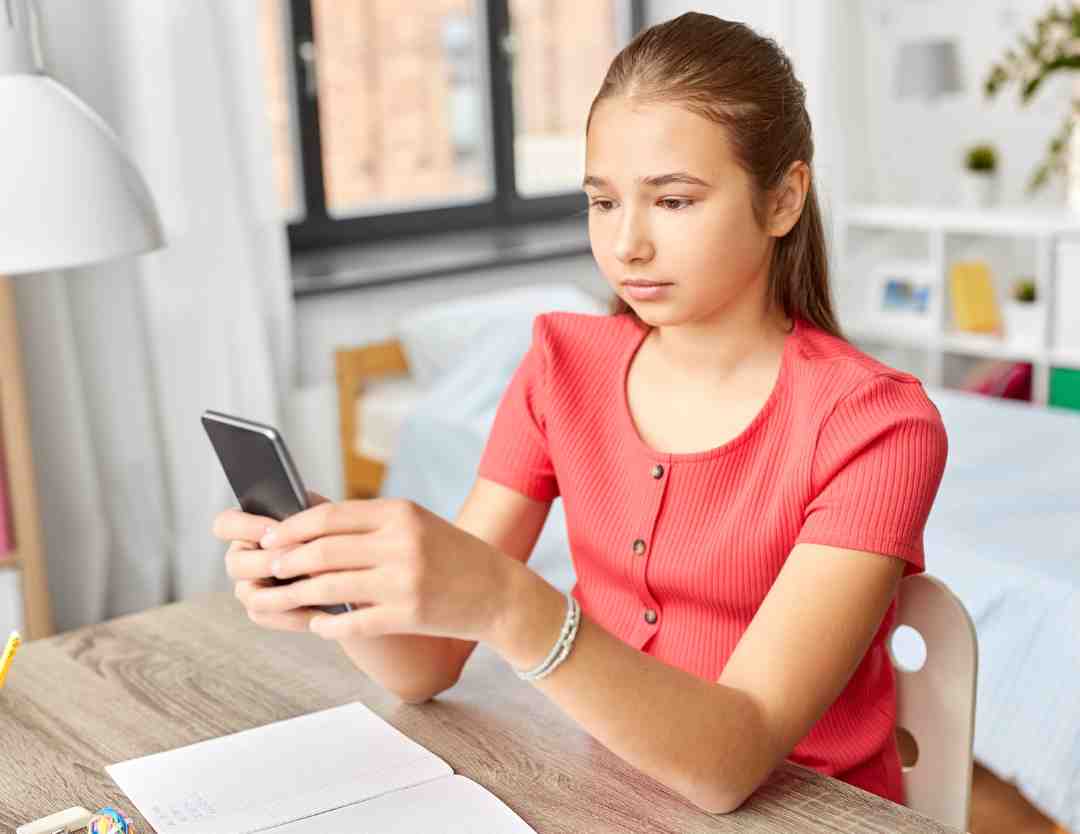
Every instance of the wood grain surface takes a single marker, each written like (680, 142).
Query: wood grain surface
(200, 668)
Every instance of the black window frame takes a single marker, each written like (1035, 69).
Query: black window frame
(317, 229)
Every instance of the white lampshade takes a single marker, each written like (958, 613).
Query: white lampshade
(69, 195)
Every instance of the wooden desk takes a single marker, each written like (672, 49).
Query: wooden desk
(198, 669)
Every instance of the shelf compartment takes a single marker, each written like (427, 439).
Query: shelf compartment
(988, 345)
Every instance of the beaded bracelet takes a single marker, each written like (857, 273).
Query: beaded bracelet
(563, 644)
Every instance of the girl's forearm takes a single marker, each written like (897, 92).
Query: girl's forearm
(701, 739)
(412, 666)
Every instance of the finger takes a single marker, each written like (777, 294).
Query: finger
(332, 588)
(330, 518)
(243, 588)
(315, 499)
(298, 619)
(369, 621)
(234, 524)
(326, 553)
(246, 560)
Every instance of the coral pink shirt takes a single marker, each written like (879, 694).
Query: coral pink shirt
(674, 552)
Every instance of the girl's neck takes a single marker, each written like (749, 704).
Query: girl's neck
(724, 349)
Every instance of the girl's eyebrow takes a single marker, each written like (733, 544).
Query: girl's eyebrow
(655, 181)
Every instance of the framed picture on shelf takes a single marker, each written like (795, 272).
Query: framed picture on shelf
(904, 297)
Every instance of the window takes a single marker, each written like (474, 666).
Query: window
(392, 119)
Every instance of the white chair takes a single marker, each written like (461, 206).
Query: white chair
(936, 702)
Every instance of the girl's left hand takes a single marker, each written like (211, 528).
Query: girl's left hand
(406, 570)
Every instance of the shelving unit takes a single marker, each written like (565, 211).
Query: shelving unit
(28, 560)
(1025, 240)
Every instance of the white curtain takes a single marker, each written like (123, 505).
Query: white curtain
(122, 358)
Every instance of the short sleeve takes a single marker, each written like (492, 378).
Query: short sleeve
(516, 454)
(878, 462)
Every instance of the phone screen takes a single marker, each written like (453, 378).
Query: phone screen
(257, 473)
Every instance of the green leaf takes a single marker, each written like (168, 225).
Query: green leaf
(1037, 179)
(1066, 62)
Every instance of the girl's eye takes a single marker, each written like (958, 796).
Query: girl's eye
(673, 203)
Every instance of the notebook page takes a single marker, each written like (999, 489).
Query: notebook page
(284, 771)
(456, 805)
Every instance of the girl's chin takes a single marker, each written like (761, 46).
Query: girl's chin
(654, 314)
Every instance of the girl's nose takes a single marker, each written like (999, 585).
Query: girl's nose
(633, 242)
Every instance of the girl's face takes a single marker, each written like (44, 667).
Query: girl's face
(668, 202)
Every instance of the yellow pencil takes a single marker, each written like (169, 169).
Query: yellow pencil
(9, 655)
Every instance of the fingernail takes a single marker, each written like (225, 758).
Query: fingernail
(268, 537)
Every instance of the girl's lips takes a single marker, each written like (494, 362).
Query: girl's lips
(646, 293)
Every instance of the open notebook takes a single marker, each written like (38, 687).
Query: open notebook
(342, 770)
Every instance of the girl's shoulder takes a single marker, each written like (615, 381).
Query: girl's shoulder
(583, 335)
(841, 359)
(831, 371)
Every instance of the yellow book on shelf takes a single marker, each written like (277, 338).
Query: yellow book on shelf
(974, 305)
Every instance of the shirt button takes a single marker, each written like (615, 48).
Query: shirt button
(639, 546)
(658, 471)
(650, 616)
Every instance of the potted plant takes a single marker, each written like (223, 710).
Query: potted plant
(980, 182)
(1023, 314)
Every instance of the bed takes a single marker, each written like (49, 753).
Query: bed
(1004, 535)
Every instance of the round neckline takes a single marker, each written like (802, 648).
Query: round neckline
(705, 454)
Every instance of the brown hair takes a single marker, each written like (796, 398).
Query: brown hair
(726, 72)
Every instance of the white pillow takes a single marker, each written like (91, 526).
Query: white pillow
(435, 337)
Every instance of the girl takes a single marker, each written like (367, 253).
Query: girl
(743, 489)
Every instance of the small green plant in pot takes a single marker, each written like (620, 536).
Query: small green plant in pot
(1024, 319)
(1023, 290)
(982, 158)
(980, 181)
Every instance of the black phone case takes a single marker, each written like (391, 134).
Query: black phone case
(263, 482)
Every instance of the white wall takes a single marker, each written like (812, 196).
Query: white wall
(766, 17)
(919, 145)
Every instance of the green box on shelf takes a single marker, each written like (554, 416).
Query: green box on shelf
(1065, 387)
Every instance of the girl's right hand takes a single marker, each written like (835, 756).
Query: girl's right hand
(249, 564)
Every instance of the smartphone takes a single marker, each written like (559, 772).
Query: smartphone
(261, 473)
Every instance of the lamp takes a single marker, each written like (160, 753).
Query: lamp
(926, 68)
(69, 196)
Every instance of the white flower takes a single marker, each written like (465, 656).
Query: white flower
(1058, 33)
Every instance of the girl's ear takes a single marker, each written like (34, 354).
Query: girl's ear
(788, 199)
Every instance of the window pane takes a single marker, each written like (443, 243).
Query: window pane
(276, 42)
(402, 107)
(562, 49)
